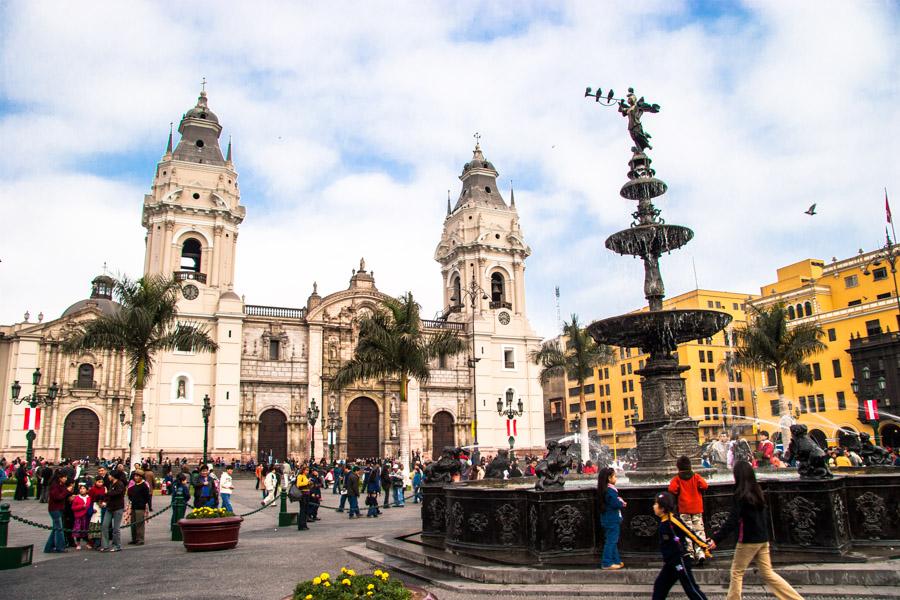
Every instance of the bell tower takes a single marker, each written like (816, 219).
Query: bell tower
(482, 254)
(192, 215)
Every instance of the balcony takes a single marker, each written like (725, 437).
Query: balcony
(501, 305)
(190, 276)
(276, 312)
(84, 385)
(428, 324)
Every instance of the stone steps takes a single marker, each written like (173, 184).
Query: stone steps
(876, 580)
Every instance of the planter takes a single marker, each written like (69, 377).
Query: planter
(417, 594)
(210, 534)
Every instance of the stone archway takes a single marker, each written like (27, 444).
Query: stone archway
(272, 436)
(818, 436)
(81, 434)
(890, 435)
(363, 433)
(442, 432)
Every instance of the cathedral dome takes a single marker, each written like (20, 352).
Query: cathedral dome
(479, 179)
(201, 111)
(101, 297)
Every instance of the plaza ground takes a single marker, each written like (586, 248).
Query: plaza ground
(267, 563)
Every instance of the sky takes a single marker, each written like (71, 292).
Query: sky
(350, 121)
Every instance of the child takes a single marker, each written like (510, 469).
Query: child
(671, 533)
(80, 505)
(610, 517)
(372, 503)
(687, 487)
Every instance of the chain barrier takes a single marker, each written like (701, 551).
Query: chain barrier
(405, 498)
(263, 507)
(73, 531)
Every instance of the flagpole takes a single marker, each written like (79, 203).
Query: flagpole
(890, 217)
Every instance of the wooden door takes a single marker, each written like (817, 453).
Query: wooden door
(81, 434)
(272, 437)
(363, 434)
(442, 433)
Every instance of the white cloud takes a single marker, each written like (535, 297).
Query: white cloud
(351, 122)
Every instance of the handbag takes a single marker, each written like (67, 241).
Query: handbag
(295, 493)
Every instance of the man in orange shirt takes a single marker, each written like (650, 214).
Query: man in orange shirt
(688, 486)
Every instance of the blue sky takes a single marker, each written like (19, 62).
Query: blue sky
(350, 124)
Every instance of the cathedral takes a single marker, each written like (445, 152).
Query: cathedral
(274, 362)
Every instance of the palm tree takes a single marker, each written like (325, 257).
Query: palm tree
(767, 343)
(392, 344)
(145, 324)
(576, 362)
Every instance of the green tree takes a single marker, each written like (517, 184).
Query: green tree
(576, 362)
(768, 343)
(145, 324)
(393, 344)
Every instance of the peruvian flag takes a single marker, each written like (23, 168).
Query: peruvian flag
(872, 410)
(511, 427)
(887, 207)
(32, 419)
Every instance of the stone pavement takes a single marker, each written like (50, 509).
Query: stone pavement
(266, 565)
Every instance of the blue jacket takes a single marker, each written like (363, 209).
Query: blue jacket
(612, 507)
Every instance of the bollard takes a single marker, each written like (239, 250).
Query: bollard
(177, 514)
(285, 518)
(4, 524)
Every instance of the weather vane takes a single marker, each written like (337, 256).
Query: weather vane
(477, 137)
(633, 109)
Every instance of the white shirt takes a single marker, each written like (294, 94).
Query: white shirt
(225, 483)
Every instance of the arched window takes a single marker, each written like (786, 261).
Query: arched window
(799, 311)
(456, 291)
(85, 377)
(190, 255)
(808, 306)
(791, 313)
(498, 288)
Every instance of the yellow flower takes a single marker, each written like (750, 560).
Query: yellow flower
(377, 573)
(326, 584)
(317, 580)
(308, 597)
(368, 593)
(325, 576)
(351, 572)
(371, 586)
(343, 569)
(345, 581)
(385, 576)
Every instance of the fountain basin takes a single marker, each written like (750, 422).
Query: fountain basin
(658, 331)
(819, 520)
(648, 240)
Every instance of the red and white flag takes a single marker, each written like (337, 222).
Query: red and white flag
(872, 410)
(32, 419)
(887, 207)
(511, 427)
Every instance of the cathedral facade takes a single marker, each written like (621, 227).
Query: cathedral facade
(275, 362)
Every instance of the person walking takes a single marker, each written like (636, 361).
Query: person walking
(749, 516)
(60, 490)
(688, 487)
(675, 567)
(21, 482)
(270, 484)
(259, 476)
(397, 487)
(226, 488)
(417, 480)
(386, 483)
(351, 486)
(610, 517)
(141, 502)
(110, 529)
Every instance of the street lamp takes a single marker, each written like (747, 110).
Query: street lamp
(127, 423)
(335, 421)
(472, 292)
(205, 410)
(511, 413)
(34, 401)
(312, 413)
(889, 253)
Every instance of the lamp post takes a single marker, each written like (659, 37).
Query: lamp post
(511, 413)
(867, 387)
(206, 410)
(312, 413)
(127, 423)
(335, 421)
(34, 400)
(888, 253)
(472, 292)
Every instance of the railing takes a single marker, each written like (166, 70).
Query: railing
(84, 385)
(443, 325)
(501, 305)
(278, 312)
(190, 276)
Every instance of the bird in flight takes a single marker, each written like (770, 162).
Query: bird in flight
(811, 210)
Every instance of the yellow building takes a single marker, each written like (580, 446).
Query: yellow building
(854, 301)
(613, 394)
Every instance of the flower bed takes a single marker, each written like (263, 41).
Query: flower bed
(349, 586)
(210, 529)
